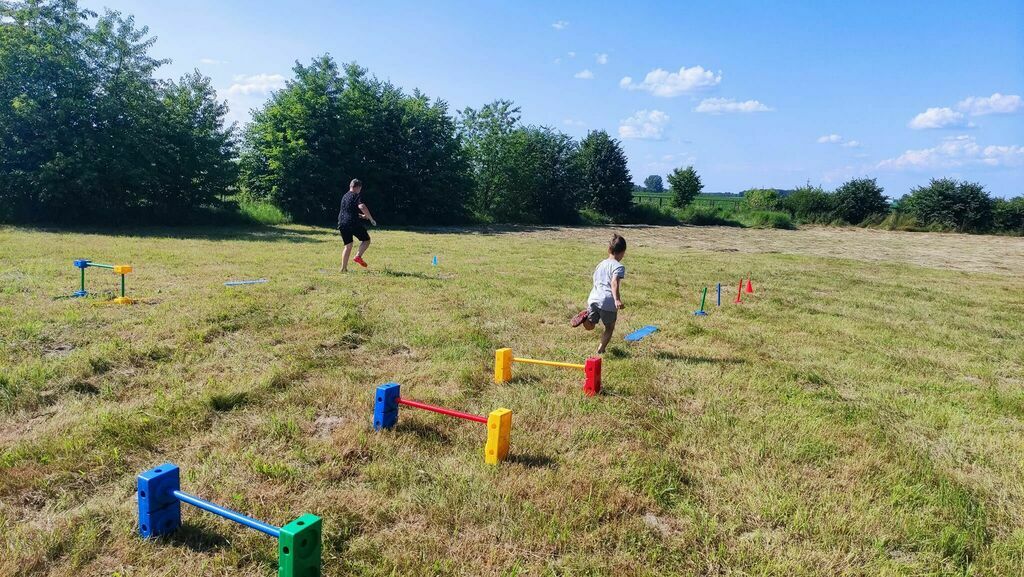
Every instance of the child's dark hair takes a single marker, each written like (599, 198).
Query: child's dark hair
(617, 244)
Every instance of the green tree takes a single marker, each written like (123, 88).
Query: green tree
(685, 185)
(653, 183)
(327, 127)
(1008, 215)
(808, 204)
(607, 184)
(947, 203)
(87, 134)
(858, 199)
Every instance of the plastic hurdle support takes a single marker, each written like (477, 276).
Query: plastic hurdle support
(499, 422)
(503, 360)
(160, 499)
(121, 269)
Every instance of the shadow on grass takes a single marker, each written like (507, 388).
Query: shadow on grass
(251, 232)
(423, 431)
(198, 539)
(533, 461)
(402, 274)
(670, 356)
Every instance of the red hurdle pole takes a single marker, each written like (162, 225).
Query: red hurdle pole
(448, 412)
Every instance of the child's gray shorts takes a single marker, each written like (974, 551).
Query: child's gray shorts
(597, 313)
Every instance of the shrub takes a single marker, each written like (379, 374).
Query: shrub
(808, 204)
(707, 216)
(649, 214)
(899, 221)
(858, 199)
(262, 212)
(948, 204)
(770, 219)
(1008, 215)
(761, 199)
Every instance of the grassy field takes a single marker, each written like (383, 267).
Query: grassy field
(861, 414)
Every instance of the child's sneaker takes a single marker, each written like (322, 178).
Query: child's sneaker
(578, 319)
(359, 261)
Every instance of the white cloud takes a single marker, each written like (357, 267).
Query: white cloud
(560, 25)
(584, 75)
(571, 54)
(956, 152)
(726, 105)
(574, 122)
(256, 84)
(669, 84)
(558, 61)
(836, 139)
(212, 61)
(938, 118)
(995, 104)
(644, 125)
(601, 58)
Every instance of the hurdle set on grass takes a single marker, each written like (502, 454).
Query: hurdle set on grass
(503, 360)
(499, 423)
(160, 499)
(739, 296)
(121, 269)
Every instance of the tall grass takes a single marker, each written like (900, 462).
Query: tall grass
(261, 212)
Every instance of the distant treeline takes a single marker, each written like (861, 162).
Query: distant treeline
(88, 134)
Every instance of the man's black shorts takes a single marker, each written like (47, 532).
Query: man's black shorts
(357, 230)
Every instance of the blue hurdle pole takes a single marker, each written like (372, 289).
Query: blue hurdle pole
(229, 514)
(719, 295)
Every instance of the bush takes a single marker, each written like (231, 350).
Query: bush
(761, 199)
(261, 212)
(898, 220)
(770, 219)
(707, 216)
(808, 204)
(1008, 215)
(858, 199)
(649, 214)
(948, 204)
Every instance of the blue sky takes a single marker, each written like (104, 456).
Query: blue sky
(750, 93)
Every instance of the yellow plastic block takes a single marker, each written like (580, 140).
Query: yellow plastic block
(123, 301)
(499, 425)
(122, 268)
(502, 365)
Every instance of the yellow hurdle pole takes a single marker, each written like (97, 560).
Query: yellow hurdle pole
(548, 363)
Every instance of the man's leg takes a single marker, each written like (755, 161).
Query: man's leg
(606, 337)
(362, 248)
(345, 254)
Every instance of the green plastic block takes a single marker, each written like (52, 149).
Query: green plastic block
(299, 548)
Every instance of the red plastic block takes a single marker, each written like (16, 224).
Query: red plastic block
(592, 370)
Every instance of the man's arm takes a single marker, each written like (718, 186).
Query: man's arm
(366, 214)
(615, 292)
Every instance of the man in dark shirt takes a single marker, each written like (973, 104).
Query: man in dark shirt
(350, 223)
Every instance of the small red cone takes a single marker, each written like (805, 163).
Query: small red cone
(750, 287)
(739, 293)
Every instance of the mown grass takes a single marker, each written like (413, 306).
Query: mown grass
(850, 418)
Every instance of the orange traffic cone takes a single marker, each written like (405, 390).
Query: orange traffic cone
(750, 287)
(739, 293)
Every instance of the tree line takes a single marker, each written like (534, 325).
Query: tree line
(89, 134)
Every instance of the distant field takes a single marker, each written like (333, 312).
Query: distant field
(861, 414)
(711, 199)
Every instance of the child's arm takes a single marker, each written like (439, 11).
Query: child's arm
(615, 292)
(366, 214)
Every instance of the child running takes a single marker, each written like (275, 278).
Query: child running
(353, 212)
(605, 298)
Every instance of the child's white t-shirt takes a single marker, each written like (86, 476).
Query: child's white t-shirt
(601, 294)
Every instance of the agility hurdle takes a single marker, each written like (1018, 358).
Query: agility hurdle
(499, 422)
(121, 269)
(160, 499)
(503, 360)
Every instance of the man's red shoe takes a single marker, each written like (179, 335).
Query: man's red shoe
(359, 261)
(578, 319)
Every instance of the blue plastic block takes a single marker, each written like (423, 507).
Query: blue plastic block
(159, 509)
(83, 263)
(641, 333)
(385, 406)
(700, 314)
(78, 294)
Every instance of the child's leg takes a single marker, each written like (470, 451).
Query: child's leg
(345, 254)
(606, 337)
